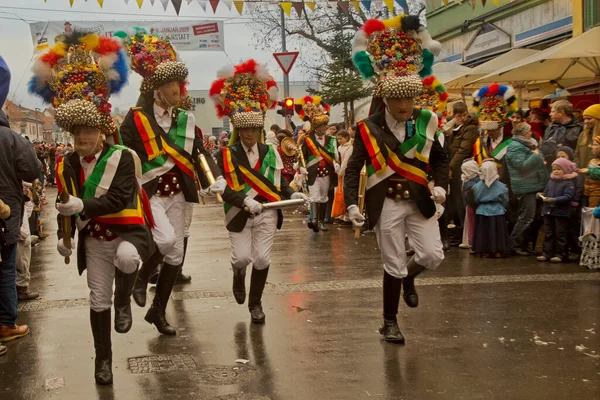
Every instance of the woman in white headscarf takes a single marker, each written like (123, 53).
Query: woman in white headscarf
(491, 230)
(470, 177)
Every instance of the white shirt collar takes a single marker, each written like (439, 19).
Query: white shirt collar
(398, 128)
(160, 112)
(96, 156)
(246, 148)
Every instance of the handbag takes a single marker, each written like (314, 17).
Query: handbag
(339, 206)
(590, 248)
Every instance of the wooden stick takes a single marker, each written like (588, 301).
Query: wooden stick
(209, 176)
(66, 224)
(362, 189)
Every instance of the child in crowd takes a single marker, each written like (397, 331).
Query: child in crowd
(556, 210)
(574, 221)
(591, 189)
(491, 230)
(470, 177)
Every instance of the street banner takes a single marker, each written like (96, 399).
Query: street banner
(184, 35)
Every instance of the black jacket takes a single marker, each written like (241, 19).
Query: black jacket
(18, 163)
(236, 199)
(375, 196)
(313, 170)
(131, 138)
(121, 194)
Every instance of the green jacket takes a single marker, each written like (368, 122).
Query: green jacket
(526, 169)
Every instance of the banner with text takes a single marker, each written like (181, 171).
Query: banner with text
(184, 35)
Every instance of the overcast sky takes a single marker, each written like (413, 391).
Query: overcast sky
(16, 45)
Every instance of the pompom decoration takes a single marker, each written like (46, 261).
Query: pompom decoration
(244, 96)
(394, 55)
(316, 110)
(77, 76)
(494, 104)
(153, 58)
(434, 96)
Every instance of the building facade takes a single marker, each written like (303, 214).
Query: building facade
(37, 125)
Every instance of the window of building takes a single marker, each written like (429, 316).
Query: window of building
(591, 13)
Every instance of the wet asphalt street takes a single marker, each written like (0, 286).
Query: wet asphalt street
(484, 329)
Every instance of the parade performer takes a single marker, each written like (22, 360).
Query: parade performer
(164, 136)
(106, 201)
(320, 153)
(397, 145)
(253, 172)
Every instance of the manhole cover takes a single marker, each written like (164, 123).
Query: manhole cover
(223, 374)
(161, 363)
(242, 396)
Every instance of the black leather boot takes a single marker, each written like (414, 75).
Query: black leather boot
(239, 284)
(411, 298)
(257, 286)
(164, 286)
(141, 283)
(313, 223)
(123, 288)
(322, 212)
(391, 297)
(100, 322)
(181, 277)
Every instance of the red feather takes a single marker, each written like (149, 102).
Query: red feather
(493, 89)
(51, 58)
(308, 99)
(270, 84)
(373, 25)
(216, 87)
(183, 88)
(429, 80)
(249, 66)
(220, 111)
(444, 96)
(326, 107)
(107, 45)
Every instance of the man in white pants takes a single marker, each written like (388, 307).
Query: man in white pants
(164, 136)
(253, 173)
(24, 251)
(102, 182)
(398, 146)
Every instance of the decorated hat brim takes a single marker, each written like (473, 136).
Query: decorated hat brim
(82, 113)
(166, 72)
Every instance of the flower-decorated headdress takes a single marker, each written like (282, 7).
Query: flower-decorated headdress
(77, 76)
(155, 59)
(244, 93)
(434, 96)
(396, 53)
(315, 109)
(494, 104)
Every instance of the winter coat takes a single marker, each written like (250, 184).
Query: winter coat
(18, 163)
(461, 143)
(491, 201)
(583, 150)
(557, 135)
(592, 186)
(468, 191)
(562, 190)
(526, 169)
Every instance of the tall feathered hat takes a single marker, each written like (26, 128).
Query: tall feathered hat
(433, 97)
(315, 109)
(494, 104)
(155, 59)
(77, 76)
(244, 93)
(396, 53)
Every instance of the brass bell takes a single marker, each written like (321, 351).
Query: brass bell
(399, 187)
(167, 188)
(390, 190)
(108, 233)
(398, 197)
(101, 238)
(158, 192)
(174, 180)
(160, 180)
(97, 227)
(177, 186)
(406, 194)
(171, 194)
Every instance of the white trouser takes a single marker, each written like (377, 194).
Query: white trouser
(398, 218)
(169, 219)
(102, 258)
(189, 214)
(23, 262)
(318, 191)
(253, 244)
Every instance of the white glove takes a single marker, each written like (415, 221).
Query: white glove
(439, 211)
(71, 207)
(438, 195)
(299, 195)
(296, 165)
(336, 167)
(303, 171)
(64, 250)
(254, 207)
(204, 192)
(355, 216)
(219, 186)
